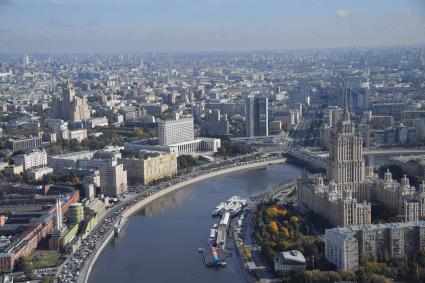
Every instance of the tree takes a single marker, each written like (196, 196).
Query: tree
(25, 265)
(273, 227)
(186, 161)
(48, 279)
(138, 132)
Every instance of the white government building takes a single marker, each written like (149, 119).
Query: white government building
(179, 136)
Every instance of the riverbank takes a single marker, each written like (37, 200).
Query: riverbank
(85, 273)
(133, 209)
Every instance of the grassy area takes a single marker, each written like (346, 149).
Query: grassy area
(45, 258)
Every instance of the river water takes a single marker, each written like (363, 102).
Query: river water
(160, 243)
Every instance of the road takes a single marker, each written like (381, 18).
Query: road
(264, 273)
(77, 267)
(300, 132)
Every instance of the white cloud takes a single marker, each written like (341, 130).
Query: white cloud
(343, 13)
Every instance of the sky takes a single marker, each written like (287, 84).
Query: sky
(109, 26)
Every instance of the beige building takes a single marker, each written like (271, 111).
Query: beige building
(79, 135)
(348, 247)
(400, 199)
(13, 169)
(147, 170)
(340, 208)
(70, 107)
(345, 199)
(113, 179)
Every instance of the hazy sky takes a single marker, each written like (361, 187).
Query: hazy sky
(206, 25)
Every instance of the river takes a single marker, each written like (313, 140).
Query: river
(160, 243)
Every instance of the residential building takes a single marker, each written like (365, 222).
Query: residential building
(25, 144)
(96, 122)
(39, 173)
(351, 246)
(113, 180)
(32, 160)
(80, 134)
(146, 170)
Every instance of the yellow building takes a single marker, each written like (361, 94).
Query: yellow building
(59, 241)
(147, 170)
(76, 213)
(91, 216)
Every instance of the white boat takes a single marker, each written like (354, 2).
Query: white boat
(213, 233)
(233, 205)
(218, 209)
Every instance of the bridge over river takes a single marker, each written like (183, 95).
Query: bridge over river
(317, 159)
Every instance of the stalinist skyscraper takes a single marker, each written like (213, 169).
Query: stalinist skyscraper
(346, 165)
(70, 107)
(344, 198)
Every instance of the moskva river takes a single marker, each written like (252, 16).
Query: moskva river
(160, 243)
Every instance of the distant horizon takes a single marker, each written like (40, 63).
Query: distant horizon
(246, 51)
(138, 26)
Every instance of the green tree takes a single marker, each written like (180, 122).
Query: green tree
(138, 132)
(25, 265)
(48, 279)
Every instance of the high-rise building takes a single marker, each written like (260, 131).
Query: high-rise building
(26, 60)
(175, 131)
(257, 116)
(70, 107)
(346, 163)
(249, 122)
(344, 200)
(113, 179)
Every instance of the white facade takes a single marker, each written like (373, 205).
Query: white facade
(290, 260)
(93, 163)
(175, 131)
(37, 174)
(32, 160)
(69, 160)
(204, 144)
(96, 122)
(341, 249)
(78, 134)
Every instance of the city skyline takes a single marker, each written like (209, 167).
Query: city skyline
(223, 141)
(60, 26)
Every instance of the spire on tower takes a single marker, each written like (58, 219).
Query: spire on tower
(346, 113)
